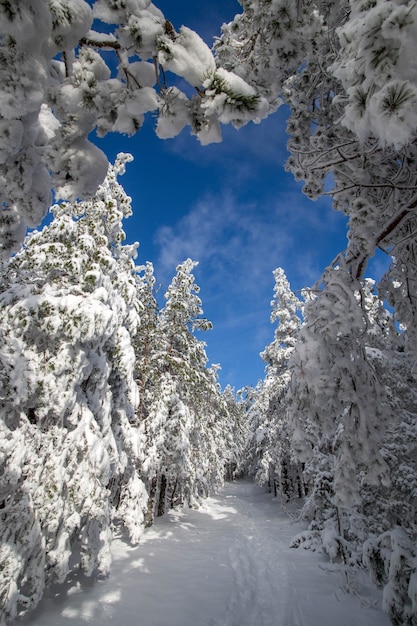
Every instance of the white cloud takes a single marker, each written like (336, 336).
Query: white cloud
(236, 245)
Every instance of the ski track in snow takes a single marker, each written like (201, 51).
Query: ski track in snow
(226, 564)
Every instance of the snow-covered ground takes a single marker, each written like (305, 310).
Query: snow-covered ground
(227, 564)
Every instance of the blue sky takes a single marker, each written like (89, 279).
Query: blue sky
(233, 208)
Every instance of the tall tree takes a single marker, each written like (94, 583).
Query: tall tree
(69, 450)
(181, 424)
(269, 432)
(235, 433)
(363, 527)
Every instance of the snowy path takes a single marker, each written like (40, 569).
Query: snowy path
(227, 564)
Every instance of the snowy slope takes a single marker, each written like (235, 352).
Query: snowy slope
(227, 564)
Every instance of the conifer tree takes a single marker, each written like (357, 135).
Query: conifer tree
(69, 452)
(183, 414)
(364, 531)
(147, 342)
(236, 430)
(269, 437)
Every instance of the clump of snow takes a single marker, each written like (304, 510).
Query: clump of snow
(143, 72)
(85, 167)
(174, 114)
(70, 22)
(188, 56)
(210, 131)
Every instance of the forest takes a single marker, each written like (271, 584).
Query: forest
(110, 414)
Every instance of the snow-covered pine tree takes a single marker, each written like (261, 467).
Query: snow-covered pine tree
(366, 533)
(235, 434)
(269, 439)
(69, 449)
(390, 548)
(146, 342)
(217, 425)
(58, 85)
(338, 406)
(181, 422)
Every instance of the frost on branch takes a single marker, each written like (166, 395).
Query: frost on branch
(376, 66)
(57, 87)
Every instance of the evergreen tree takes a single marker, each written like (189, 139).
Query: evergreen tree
(389, 550)
(235, 435)
(270, 439)
(365, 531)
(182, 416)
(69, 451)
(146, 342)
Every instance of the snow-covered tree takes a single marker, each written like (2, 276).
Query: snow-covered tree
(147, 342)
(338, 409)
(58, 85)
(346, 71)
(390, 550)
(183, 414)
(235, 434)
(269, 441)
(363, 528)
(69, 449)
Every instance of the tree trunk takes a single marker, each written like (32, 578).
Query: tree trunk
(173, 494)
(162, 492)
(150, 513)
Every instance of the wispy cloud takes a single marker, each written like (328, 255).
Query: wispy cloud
(234, 244)
(256, 220)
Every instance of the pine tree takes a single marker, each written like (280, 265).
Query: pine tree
(338, 405)
(68, 397)
(146, 342)
(235, 435)
(269, 438)
(183, 415)
(389, 552)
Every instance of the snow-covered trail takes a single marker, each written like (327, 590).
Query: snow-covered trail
(227, 564)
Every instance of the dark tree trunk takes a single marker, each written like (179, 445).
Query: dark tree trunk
(173, 494)
(150, 513)
(162, 492)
